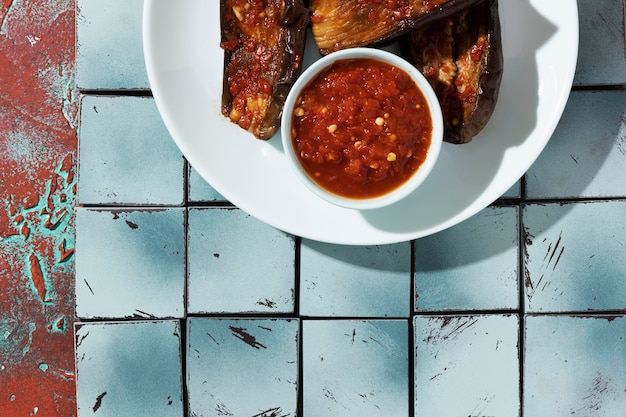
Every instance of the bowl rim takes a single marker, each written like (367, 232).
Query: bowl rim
(416, 179)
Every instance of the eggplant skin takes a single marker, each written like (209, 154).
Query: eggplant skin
(263, 43)
(341, 24)
(462, 59)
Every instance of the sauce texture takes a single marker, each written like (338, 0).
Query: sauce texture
(361, 128)
(252, 29)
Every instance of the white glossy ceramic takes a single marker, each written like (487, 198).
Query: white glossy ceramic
(184, 63)
(415, 180)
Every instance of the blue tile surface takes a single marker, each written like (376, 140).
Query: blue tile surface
(601, 58)
(129, 369)
(126, 154)
(467, 366)
(355, 368)
(242, 367)
(109, 49)
(520, 310)
(471, 266)
(361, 281)
(131, 263)
(514, 192)
(574, 256)
(201, 191)
(574, 366)
(586, 156)
(237, 264)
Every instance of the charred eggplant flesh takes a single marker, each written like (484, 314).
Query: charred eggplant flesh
(340, 24)
(263, 42)
(462, 58)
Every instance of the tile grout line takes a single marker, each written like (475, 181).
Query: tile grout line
(296, 314)
(184, 321)
(411, 337)
(138, 92)
(300, 379)
(183, 363)
(521, 275)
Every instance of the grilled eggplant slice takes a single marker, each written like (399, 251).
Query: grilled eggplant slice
(263, 42)
(462, 58)
(340, 24)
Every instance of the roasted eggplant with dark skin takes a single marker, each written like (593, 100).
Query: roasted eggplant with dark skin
(341, 24)
(462, 59)
(263, 42)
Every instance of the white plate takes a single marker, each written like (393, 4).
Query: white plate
(184, 64)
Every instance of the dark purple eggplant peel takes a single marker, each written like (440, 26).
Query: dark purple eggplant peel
(462, 58)
(263, 42)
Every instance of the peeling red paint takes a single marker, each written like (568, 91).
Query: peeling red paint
(38, 145)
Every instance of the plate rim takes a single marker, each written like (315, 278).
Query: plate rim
(384, 237)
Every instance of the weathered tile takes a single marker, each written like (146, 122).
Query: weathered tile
(586, 156)
(200, 190)
(601, 58)
(471, 266)
(129, 369)
(574, 256)
(238, 264)
(130, 263)
(109, 45)
(467, 366)
(246, 367)
(127, 155)
(514, 192)
(355, 368)
(355, 281)
(575, 366)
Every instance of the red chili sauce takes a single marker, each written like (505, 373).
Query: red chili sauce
(361, 128)
(253, 28)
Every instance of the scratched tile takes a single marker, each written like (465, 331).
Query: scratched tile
(467, 366)
(130, 263)
(355, 368)
(109, 46)
(246, 367)
(200, 190)
(238, 264)
(126, 154)
(586, 156)
(355, 281)
(601, 58)
(129, 369)
(574, 256)
(471, 266)
(575, 366)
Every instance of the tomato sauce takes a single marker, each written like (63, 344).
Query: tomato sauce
(361, 128)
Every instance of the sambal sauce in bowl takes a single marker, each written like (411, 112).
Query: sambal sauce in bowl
(362, 128)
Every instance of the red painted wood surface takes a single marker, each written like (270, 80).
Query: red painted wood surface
(38, 150)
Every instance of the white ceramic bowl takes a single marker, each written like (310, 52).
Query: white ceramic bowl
(416, 178)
